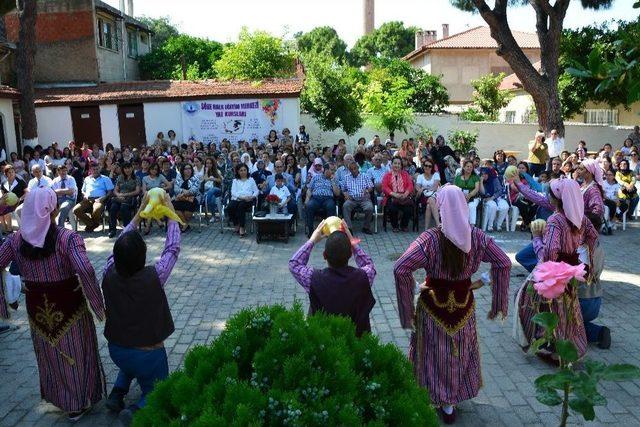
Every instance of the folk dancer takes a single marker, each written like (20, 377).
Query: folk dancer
(59, 282)
(444, 344)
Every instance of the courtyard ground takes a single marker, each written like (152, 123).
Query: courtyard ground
(219, 274)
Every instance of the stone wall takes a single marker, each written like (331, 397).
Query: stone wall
(512, 137)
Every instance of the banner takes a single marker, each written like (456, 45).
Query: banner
(236, 120)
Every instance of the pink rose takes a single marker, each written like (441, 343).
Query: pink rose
(552, 277)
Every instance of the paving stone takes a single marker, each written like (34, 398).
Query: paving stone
(217, 275)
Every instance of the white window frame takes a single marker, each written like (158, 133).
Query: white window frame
(601, 116)
(132, 44)
(105, 40)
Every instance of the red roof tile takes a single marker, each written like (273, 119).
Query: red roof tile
(476, 38)
(8, 92)
(168, 90)
(512, 82)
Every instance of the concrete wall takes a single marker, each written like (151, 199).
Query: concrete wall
(6, 112)
(54, 125)
(162, 117)
(65, 41)
(109, 125)
(459, 66)
(512, 137)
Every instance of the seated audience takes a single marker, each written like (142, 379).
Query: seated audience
(186, 195)
(244, 193)
(124, 200)
(66, 189)
(397, 186)
(96, 190)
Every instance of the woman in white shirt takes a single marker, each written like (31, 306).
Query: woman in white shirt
(610, 188)
(198, 168)
(427, 183)
(244, 192)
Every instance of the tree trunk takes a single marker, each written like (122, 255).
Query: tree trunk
(543, 85)
(25, 67)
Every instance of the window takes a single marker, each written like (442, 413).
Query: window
(144, 39)
(510, 117)
(601, 116)
(132, 43)
(107, 36)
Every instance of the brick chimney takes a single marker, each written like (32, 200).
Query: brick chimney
(445, 30)
(419, 39)
(130, 7)
(429, 36)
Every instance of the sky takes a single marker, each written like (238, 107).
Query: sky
(222, 20)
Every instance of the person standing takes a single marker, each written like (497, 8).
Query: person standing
(59, 280)
(439, 152)
(538, 154)
(138, 316)
(444, 344)
(339, 289)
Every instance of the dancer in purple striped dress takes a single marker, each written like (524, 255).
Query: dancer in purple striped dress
(51, 260)
(444, 346)
(566, 230)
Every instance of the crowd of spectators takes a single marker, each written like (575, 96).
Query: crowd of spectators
(230, 180)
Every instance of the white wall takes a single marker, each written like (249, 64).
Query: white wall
(109, 125)
(54, 125)
(161, 117)
(6, 111)
(512, 137)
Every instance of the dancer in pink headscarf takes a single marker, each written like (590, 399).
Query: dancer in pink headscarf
(566, 230)
(444, 344)
(59, 282)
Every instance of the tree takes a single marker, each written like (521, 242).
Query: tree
(163, 29)
(165, 62)
(488, 97)
(386, 99)
(255, 56)
(543, 87)
(328, 94)
(391, 40)
(322, 41)
(25, 62)
(429, 96)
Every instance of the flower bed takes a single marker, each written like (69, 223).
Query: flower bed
(273, 366)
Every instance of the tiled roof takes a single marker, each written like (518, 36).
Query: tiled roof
(476, 38)
(512, 82)
(168, 90)
(8, 92)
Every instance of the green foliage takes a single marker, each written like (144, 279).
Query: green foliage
(165, 62)
(322, 41)
(255, 56)
(472, 114)
(163, 29)
(487, 95)
(328, 94)
(608, 66)
(390, 40)
(386, 100)
(271, 366)
(423, 132)
(7, 6)
(463, 140)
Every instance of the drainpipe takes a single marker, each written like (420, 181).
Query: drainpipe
(124, 38)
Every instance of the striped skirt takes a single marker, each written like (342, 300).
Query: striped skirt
(448, 366)
(71, 375)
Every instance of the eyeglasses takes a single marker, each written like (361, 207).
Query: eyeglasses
(428, 166)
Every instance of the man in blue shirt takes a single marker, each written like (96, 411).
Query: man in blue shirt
(96, 191)
(320, 196)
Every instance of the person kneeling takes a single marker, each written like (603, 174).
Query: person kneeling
(138, 317)
(338, 289)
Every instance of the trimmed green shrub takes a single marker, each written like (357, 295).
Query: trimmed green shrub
(272, 366)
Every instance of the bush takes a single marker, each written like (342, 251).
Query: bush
(271, 366)
(472, 114)
(463, 140)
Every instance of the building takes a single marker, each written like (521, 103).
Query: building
(465, 56)
(521, 108)
(85, 41)
(132, 113)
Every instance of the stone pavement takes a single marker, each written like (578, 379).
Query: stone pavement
(219, 274)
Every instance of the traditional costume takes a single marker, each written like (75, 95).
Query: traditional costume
(565, 232)
(444, 346)
(57, 290)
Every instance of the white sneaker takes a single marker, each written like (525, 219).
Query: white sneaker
(490, 229)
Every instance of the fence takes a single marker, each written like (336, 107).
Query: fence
(508, 136)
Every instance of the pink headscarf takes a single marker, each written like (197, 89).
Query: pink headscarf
(594, 169)
(568, 191)
(454, 214)
(36, 215)
(313, 171)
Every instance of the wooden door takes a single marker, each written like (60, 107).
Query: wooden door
(131, 119)
(86, 125)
